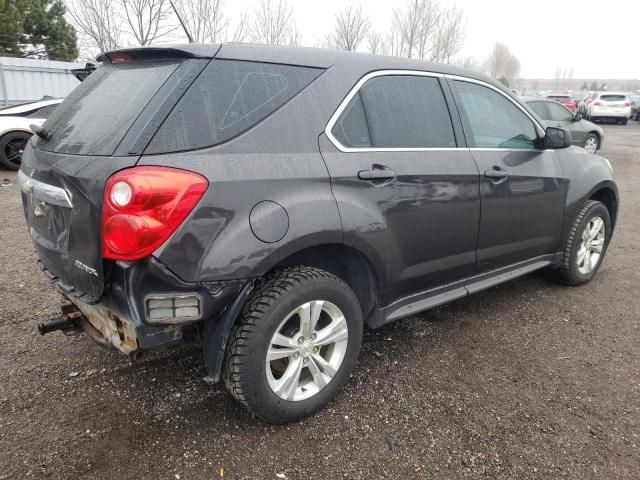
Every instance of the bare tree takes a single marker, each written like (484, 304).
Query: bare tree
(98, 22)
(240, 32)
(147, 19)
(502, 64)
(351, 28)
(413, 28)
(374, 42)
(273, 23)
(470, 63)
(449, 35)
(204, 19)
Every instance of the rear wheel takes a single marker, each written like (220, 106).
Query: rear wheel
(295, 345)
(624, 121)
(11, 147)
(586, 244)
(591, 143)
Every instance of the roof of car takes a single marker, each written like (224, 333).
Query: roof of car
(306, 56)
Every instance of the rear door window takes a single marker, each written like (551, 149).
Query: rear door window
(396, 111)
(494, 121)
(559, 113)
(94, 118)
(540, 109)
(228, 98)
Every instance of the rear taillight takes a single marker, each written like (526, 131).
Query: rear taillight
(627, 104)
(598, 103)
(143, 206)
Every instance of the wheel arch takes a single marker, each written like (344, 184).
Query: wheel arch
(15, 130)
(609, 196)
(345, 262)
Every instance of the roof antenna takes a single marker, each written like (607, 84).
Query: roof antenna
(184, 27)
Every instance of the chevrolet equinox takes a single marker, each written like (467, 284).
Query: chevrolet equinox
(271, 202)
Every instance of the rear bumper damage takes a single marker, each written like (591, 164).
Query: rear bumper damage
(121, 319)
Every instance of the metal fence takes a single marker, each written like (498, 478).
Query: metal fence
(23, 79)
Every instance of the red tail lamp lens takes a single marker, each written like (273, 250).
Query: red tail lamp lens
(143, 206)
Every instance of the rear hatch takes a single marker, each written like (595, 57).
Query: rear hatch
(614, 102)
(102, 127)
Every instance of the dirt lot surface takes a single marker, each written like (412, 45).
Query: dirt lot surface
(526, 380)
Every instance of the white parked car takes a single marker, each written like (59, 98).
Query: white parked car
(610, 106)
(15, 131)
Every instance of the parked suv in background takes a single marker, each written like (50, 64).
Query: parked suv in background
(610, 106)
(583, 133)
(273, 201)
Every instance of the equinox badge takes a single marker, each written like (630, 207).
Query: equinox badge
(85, 268)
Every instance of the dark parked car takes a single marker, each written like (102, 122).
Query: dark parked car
(635, 106)
(584, 133)
(270, 202)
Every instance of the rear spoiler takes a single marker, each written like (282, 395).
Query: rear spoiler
(191, 50)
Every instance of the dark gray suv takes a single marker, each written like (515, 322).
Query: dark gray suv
(271, 202)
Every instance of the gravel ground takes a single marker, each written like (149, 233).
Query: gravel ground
(526, 380)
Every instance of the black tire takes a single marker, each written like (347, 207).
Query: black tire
(569, 272)
(245, 368)
(624, 121)
(11, 145)
(592, 135)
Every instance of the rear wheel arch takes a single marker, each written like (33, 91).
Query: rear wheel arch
(345, 262)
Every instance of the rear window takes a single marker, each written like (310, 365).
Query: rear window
(228, 98)
(560, 98)
(97, 114)
(613, 98)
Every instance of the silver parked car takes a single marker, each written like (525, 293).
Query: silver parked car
(584, 133)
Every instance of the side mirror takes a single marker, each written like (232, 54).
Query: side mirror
(556, 137)
(577, 117)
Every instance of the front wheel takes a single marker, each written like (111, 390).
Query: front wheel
(295, 345)
(591, 143)
(586, 244)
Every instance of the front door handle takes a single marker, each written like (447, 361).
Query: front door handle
(496, 175)
(377, 174)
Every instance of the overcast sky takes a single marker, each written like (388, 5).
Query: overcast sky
(598, 39)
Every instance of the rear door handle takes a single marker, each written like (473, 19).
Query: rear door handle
(495, 174)
(377, 174)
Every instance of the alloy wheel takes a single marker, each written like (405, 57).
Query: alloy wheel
(306, 350)
(591, 145)
(591, 245)
(13, 149)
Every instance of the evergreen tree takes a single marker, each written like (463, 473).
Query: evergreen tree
(594, 86)
(36, 29)
(11, 29)
(584, 86)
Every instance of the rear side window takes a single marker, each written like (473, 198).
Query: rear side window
(94, 118)
(228, 98)
(494, 120)
(540, 109)
(396, 111)
(559, 113)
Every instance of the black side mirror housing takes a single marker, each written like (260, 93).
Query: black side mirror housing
(577, 117)
(556, 137)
